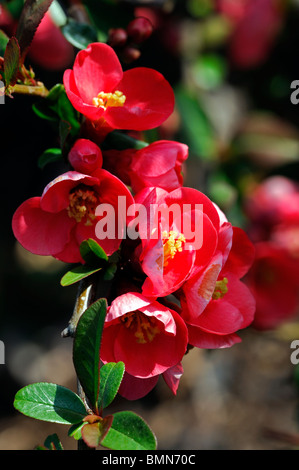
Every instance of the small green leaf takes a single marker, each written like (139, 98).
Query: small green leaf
(3, 42)
(76, 274)
(110, 272)
(75, 430)
(129, 432)
(86, 349)
(120, 141)
(50, 402)
(78, 34)
(11, 61)
(53, 442)
(94, 433)
(92, 252)
(49, 156)
(111, 375)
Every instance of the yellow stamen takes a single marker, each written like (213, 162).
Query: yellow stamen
(83, 203)
(144, 327)
(105, 100)
(172, 243)
(221, 289)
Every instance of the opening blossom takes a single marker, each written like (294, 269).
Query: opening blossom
(147, 336)
(137, 99)
(57, 222)
(180, 232)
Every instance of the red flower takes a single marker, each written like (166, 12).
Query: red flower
(274, 201)
(274, 282)
(148, 337)
(136, 99)
(215, 303)
(159, 164)
(49, 47)
(178, 230)
(57, 222)
(256, 24)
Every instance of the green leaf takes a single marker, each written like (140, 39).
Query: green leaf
(49, 156)
(120, 141)
(129, 432)
(86, 349)
(109, 272)
(11, 61)
(92, 252)
(78, 34)
(76, 274)
(111, 375)
(3, 42)
(52, 442)
(75, 430)
(31, 16)
(50, 402)
(196, 129)
(94, 433)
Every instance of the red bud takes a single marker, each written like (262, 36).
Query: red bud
(139, 29)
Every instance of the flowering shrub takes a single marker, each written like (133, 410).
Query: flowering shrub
(162, 267)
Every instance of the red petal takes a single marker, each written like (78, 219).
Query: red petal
(41, 232)
(241, 255)
(134, 388)
(87, 109)
(55, 196)
(96, 69)
(149, 100)
(203, 340)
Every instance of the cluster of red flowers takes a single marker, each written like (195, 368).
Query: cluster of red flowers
(175, 290)
(273, 211)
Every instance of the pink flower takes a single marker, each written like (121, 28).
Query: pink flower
(147, 336)
(178, 231)
(57, 222)
(215, 303)
(159, 164)
(136, 99)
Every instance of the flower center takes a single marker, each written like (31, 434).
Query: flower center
(83, 203)
(145, 328)
(105, 100)
(172, 243)
(221, 289)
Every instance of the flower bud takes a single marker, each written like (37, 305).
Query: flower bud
(117, 37)
(130, 54)
(139, 29)
(85, 156)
